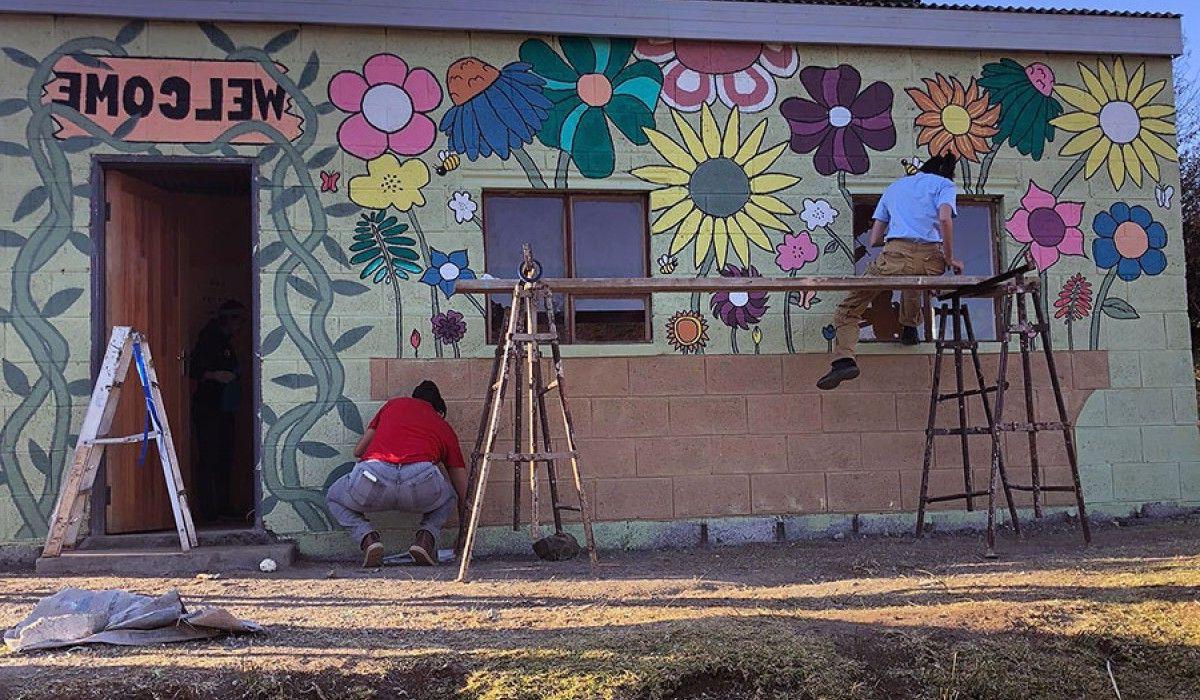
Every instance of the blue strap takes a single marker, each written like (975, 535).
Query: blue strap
(151, 414)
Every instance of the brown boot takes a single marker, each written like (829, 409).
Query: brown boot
(424, 549)
(372, 551)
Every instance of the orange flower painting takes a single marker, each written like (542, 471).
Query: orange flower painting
(954, 118)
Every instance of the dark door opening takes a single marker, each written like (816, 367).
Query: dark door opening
(177, 266)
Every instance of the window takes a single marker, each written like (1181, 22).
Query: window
(976, 243)
(572, 235)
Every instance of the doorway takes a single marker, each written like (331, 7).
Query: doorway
(175, 262)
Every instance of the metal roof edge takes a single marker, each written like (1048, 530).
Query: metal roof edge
(778, 22)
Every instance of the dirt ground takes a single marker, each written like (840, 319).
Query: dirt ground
(856, 618)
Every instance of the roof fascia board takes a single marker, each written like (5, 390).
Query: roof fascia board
(978, 30)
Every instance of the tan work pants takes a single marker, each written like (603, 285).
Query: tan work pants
(899, 258)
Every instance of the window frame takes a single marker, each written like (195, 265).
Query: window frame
(567, 335)
(995, 204)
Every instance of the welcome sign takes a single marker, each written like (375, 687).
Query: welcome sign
(174, 100)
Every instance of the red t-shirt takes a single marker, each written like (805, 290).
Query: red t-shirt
(408, 431)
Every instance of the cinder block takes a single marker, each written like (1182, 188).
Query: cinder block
(863, 492)
(597, 376)
(453, 377)
(942, 482)
(1097, 482)
(781, 414)
(667, 375)
(894, 373)
(848, 412)
(708, 415)
(711, 495)
(893, 450)
(1124, 368)
(1171, 368)
(379, 379)
(802, 370)
(1145, 482)
(606, 458)
(629, 417)
(787, 493)
(1091, 369)
(1189, 481)
(1175, 443)
(1185, 405)
(673, 456)
(748, 454)
(824, 452)
(743, 374)
(1140, 407)
(1108, 445)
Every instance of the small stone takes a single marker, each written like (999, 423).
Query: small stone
(557, 547)
(839, 536)
(208, 577)
(267, 565)
(332, 574)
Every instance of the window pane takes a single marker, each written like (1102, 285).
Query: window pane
(509, 222)
(608, 236)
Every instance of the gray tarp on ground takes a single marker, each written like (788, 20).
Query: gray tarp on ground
(76, 616)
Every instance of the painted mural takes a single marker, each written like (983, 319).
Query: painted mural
(750, 154)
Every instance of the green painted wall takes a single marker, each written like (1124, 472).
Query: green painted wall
(746, 151)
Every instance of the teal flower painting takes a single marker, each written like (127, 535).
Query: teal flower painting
(591, 85)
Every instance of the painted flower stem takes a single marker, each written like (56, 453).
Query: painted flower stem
(433, 298)
(787, 319)
(705, 268)
(395, 283)
(1098, 308)
(471, 298)
(1067, 177)
(560, 172)
(841, 184)
(733, 340)
(1020, 258)
(985, 169)
(531, 170)
(1070, 334)
(966, 174)
(841, 244)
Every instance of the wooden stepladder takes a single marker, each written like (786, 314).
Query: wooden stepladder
(125, 347)
(519, 362)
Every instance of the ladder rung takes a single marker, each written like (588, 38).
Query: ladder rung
(574, 508)
(550, 387)
(951, 344)
(534, 337)
(971, 392)
(152, 435)
(1023, 487)
(955, 497)
(960, 431)
(1032, 427)
(531, 456)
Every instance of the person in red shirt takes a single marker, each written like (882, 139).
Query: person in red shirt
(397, 470)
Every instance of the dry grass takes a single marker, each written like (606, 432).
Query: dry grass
(890, 618)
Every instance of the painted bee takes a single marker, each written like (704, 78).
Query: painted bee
(447, 161)
(667, 263)
(912, 167)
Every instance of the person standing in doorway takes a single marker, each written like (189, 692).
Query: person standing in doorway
(917, 214)
(397, 470)
(215, 369)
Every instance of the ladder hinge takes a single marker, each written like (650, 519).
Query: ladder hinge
(108, 495)
(108, 211)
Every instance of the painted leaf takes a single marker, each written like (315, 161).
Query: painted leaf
(349, 414)
(323, 157)
(271, 341)
(80, 387)
(228, 150)
(41, 460)
(316, 449)
(20, 57)
(348, 339)
(60, 301)
(217, 37)
(268, 415)
(338, 472)
(1118, 308)
(326, 108)
(12, 106)
(348, 288)
(81, 241)
(286, 198)
(342, 209)
(267, 505)
(281, 41)
(334, 251)
(82, 191)
(304, 287)
(11, 239)
(831, 246)
(125, 128)
(16, 150)
(295, 381)
(309, 75)
(76, 144)
(130, 32)
(5, 316)
(30, 202)
(270, 253)
(90, 61)
(15, 378)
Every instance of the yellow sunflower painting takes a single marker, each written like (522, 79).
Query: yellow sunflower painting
(1117, 123)
(715, 188)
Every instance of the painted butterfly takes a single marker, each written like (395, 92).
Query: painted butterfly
(329, 181)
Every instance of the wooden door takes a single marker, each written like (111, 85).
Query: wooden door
(141, 250)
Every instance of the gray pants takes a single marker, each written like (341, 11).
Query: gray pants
(374, 486)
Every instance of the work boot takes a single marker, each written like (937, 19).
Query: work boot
(424, 549)
(842, 370)
(908, 335)
(372, 549)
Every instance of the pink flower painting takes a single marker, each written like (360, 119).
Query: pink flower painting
(388, 105)
(796, 251)
(700, 72)
(1050, 227)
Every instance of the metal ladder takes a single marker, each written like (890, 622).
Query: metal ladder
(519, 361)
(126, 346)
